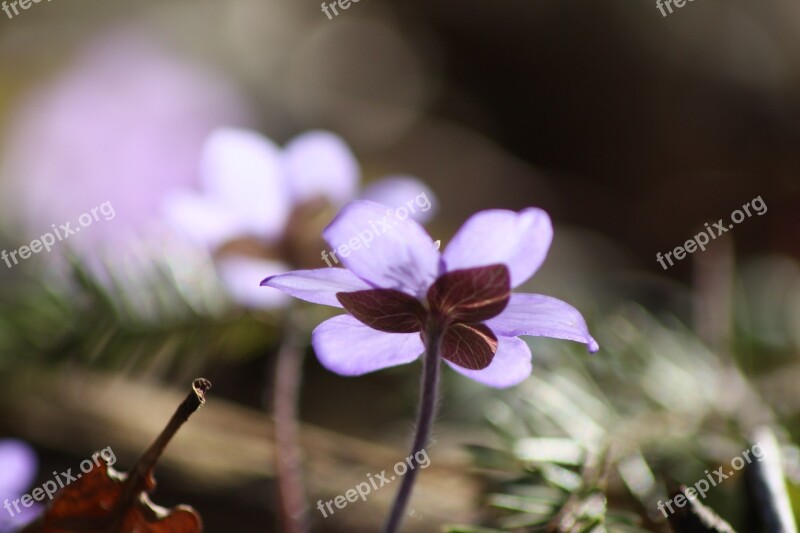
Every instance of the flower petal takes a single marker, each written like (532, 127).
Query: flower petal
(470, 295)
(389, 253)
(18, 467)
(319, 163)
(470, 346)
(542, 316)
(242, 171)
(518, 240)
(403, 191)
(241, 276)
(201, 219)
(385, 310)
(318, 286)
(510, 366)
(349, 348)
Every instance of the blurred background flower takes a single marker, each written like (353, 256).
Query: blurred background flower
(18, 466)
(262, 209)
(124, 123)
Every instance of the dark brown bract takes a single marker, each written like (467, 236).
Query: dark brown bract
(458, 302)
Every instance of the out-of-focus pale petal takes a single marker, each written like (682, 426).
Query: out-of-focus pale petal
(319, 163)
(242, 275)
(382, 249)
(317, 286)
(518, 240)
(542, 316)
(347, 347)
(242, 171)
(201, 219)
(122, 123)
(405, 192)
(511, 365)
(18, 466)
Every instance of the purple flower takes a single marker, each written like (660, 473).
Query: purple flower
(253, 193)
(124, 123)
(401, 285)
(18, 467)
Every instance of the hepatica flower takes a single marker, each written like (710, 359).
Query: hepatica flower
(258, 204)
(403, 297)
(401, 291)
